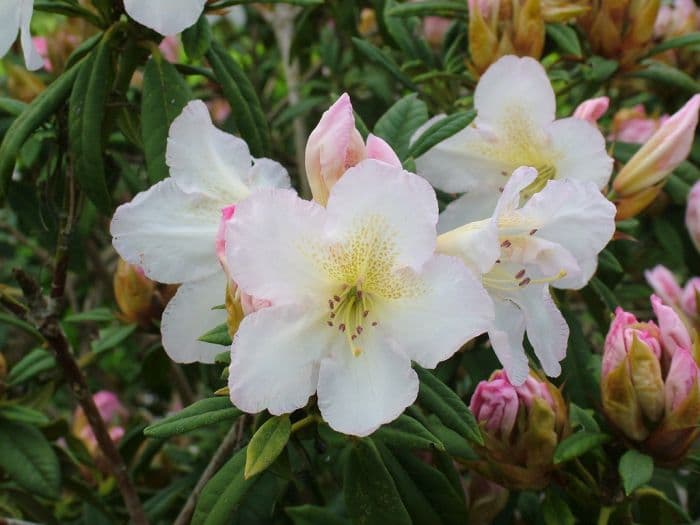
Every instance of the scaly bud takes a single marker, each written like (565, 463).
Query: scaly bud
(133, 292)
(692, 215)
(664, 284)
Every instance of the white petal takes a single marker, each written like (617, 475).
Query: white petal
(357, 395)
(453, 309)
(579, 151)
(506, 336)
(271, 242)
(472, 206)
(167, 17)
(275, 358)
(404, 203)
(267, 173)
(32, 58)
(510, 198)
(170, 234)
(204, 159)
(466, 161)
(189, 315)
(577, 216)
(10, 16)
(546, 328)
(515, 85)
(476, 243)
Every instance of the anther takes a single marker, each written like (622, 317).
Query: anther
(359, 294)
(524, 282)
(330, 304)
(359, 330)
(498, 261)
(375, 323)
(332, 315)
(353, 337)
(533, 231)
(336, 298)
(506, 244)
(365, 313)
(341, 327)
(330, 323)
(520, 274)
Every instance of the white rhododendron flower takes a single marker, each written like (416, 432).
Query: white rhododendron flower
(15, 17)
(514, 126)
(357, 292)
(167, 17)
(170, 230)
(553, 239)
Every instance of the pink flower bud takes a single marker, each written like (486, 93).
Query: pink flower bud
(662, 153)
(689, 297)
(226, 214)
(592, 109)
(378, 149)
(673, 333)
(495, 404)
(435, 28)
(664, 284)
(615, 348)
(109, 406)
(681, 378)
(692, 214)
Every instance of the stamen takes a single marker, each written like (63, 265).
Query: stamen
(359, 330)
(342, 327)
(520, 274)
(506, 244)
(375, 323)
(336, 298)
(525, 282)
(533, 231)
(330, 323)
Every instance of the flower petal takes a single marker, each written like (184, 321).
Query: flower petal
(204, 159)
(476, 243)
(10, 16)
(32, 58)
(472, 206)
(506, 336)
(515, 85)
(189, 315)
(167, 17)
(432, 326)
(267, 173)
(270, 243)
(275, 358)
(356, 395)
(171, 235)
(579, 152)
(378, 149)
(404, 202)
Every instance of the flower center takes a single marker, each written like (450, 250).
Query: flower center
(544, 174)
(349, 313)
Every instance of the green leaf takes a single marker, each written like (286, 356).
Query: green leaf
(426, 492)
(670, 240)
(565, 38)
(313, 515)
(31, 365)
(27, 457)
(12, 107)
(445, 404)
(37, 113)
(267, 444)
(98, 314)
(402, 31)
(113, 336)
(456, 445)
(197, 39)
(577, 445)
(400, 121)
(635, 470)
(23, 414)
(665, 75)
(430, 8)
(223, 493)
(85, 123)
(371, 497)
(406, 432)
(605, 293)
(218, 336)
(199, 414)
(607, 261)
(600, 69)
(441, 130)
(248, 114)
(580, 417)
(690, 39)
(578, 369)
(555, 510)
(165, 93)
(382, 59)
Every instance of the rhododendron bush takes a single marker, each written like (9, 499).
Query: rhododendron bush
(330, 262)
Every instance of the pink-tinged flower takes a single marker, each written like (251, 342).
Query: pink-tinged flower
(677, 19)
(632, 125)
(672, 332)
(171, 229)
(662, 153)
(15, 17)
(514, 126)
(592, 109)
(688, 302)
(41, 45)
(357, 292)
(167, 17)
(664, 284)
(112, 413)
(495, 404)
(681, 379)
(692, 215)
(220, 243)
(435, 28)
(335, 145)
(553, 239)
(170, 48)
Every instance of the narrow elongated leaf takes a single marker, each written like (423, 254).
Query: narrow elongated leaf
(266, 444)
(371, 496)
(98, 314)
(23, 414)
(29, 460)
(199, 414)
(635, 470)
(400, 121)
(430, 8)
(218, 336)
(691, 39)
(406, 432)
(247, 112)
(669, 76)
(445, 404)
(555, 510)
(439, 131)
(577, 445)
(456, 445)
(565, 38)
(165, 93)
(197, 39)
(12, 107)
(607, 261)
(39, 111)
(31, 365)
(380, 58)
(312, 515)
(113, 336)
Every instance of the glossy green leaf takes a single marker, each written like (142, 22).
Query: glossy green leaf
(439, 131)
(577, 445)
(23, 414)
(555, 510)
(565, 37)
(197, 39)
(98, 314)
(399, 123)
(199, 414)
(406, 432)
(691, 39)
(31, 365)
(430, 8)
(267, 444)
(382, 59)
(636, 469)
(218, 336)
(313, 515)
(112, 337)
(665, 75)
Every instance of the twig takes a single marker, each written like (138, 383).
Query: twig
(229, 444)
(19, 237)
